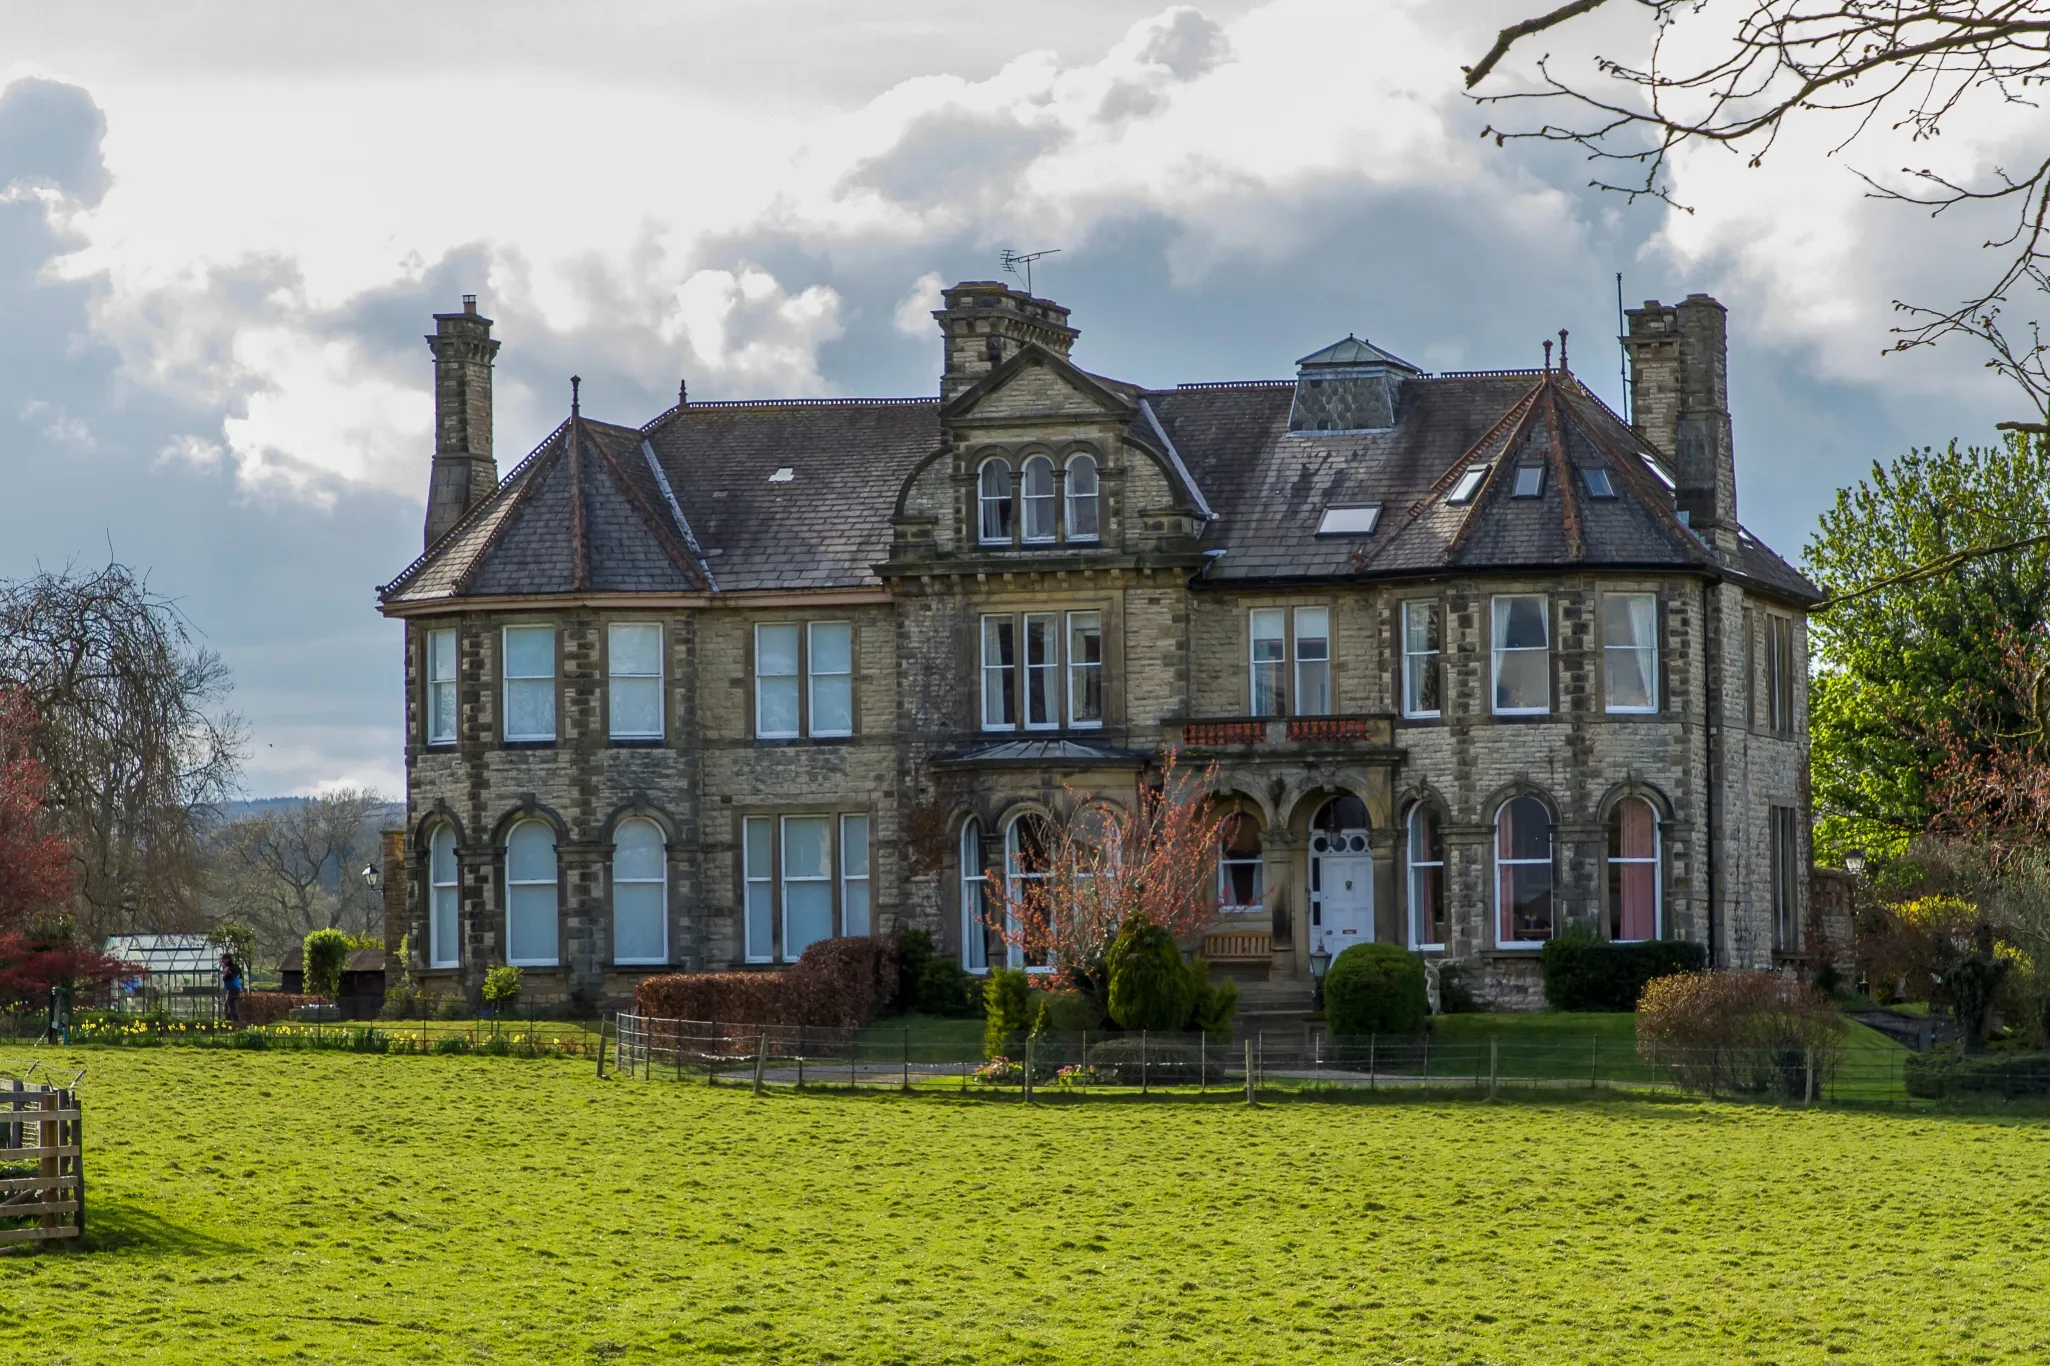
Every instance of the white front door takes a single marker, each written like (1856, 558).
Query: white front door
(1346, 903)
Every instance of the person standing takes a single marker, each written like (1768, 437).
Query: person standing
(231, 988)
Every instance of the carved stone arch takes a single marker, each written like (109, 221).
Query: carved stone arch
(1633, 787)
(1310, 799)
(638, 807)
(439, 814)
(1420, 794)
(529, 810)
(1491, 806)
(1244, 792)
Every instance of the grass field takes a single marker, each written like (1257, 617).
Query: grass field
(344, 1208)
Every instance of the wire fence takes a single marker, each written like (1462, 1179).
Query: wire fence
(1275, 1066)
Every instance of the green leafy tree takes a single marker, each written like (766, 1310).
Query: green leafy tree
(326, 953)
(1915, 653)
(1150, 986)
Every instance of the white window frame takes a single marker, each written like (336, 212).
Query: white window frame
(1041, 681)
(613, 675)
(441, 691)
(1034, 505)
(812, 675)
(1079, 671)
(1297, 642)
(1534, 475)
(974, 900)
(661, 883)
(999, 672)
(509, 680)
(1430, 610)
(1650, 652)
(1225, 863)
(1255, 664)
(985, 501)
(1498, 863)
(1417, 815)
(864, 880)
(1073, 500)
(1469, 484)
(784, 880)
(553, 884)
(795, 677)
(1014, 956)
(1498, 607)
(442, 895)
(1600, 483)
(1657, 862)
(755, 878)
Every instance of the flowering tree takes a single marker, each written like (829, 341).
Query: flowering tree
(33, 962)
(35, 862)
(1075, 882)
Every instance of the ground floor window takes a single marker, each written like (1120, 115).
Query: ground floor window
(1633, 870)
(1028, 842)
(975, 929)
(530, 895)
(640, 887)
(806, 879)
(1785, 840)
(1426, 877)
(442, 889)
(1241, 869)
(1523, 866)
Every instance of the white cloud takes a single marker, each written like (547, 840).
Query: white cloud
(913, 316)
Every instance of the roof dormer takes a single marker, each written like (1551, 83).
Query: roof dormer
(1349, 386)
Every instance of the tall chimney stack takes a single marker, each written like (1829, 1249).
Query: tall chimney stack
(985, 322)
(465, 473)
(1680, 403)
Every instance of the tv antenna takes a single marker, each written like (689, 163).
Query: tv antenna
(1014, 259)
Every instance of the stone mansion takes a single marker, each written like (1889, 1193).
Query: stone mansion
(1478, 661)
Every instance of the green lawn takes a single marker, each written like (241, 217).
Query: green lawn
(347, 1208)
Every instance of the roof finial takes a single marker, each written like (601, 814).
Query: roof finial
(683, 393)
(576, 384)
(1562, 352)
(1548, 357)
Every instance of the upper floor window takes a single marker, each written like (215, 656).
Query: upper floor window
(1022, 664)
(633, 656)
(1630, 652)
(804, 679)
(640, 887)
(1312, 661)
(530, 895)
(1266, 627)
(1633, 870)
(1779, 674)
(1037, 488)
(993, 498)
(1522, 655)
(443, 945)
(1423, 643)
(529, 683)
(1523, 871)
(1083, 522)
(441, 687)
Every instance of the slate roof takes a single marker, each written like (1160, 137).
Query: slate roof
(798, 494)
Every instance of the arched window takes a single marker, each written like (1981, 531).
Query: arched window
(1082, 522)
(1241, 871)
(1027, 863)
(530, 898)
(1634, 870)
(1426, 877)
(1523, 872)
(993, 493)
(1038, 487)
(974, 900)
(443, 944)
(640, 883)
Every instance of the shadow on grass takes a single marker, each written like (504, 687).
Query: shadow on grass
(118, 1226)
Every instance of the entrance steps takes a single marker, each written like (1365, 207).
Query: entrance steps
(1280, 1007)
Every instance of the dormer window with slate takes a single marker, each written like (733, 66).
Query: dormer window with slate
(1468, 485)
(1597, 480)
(1036, 501)
(1349, 386)
(1530, 481)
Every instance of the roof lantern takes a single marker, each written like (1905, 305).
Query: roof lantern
(1349, 386)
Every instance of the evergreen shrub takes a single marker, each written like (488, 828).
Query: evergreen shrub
(1150, 986)
(1590, 974)
(1007, 1010)
(326, 954)
(1375, 989)
(1945, 1072)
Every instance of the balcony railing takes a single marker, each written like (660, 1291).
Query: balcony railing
(1365, 728)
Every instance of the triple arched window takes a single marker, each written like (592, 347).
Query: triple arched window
(1036, 512)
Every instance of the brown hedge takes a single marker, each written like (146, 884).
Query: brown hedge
(837, 982)
(268, 1007)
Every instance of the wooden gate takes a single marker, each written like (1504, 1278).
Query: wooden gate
(42, 1174)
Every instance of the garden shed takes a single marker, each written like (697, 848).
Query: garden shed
(362, 992)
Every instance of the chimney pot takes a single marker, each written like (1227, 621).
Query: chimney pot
(464, 472)
(469, 303)
(1009, 319)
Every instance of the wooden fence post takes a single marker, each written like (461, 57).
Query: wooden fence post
(1028, 1069)
(1494, 1063)
(604, 1023)
(761, 1058)
(907, 1059)
(1809, 1080)
(51, 1167)
(1143, 1067)
(77, 1126)
(1594, 1044)
(1202, 1064)
(1250, 1083)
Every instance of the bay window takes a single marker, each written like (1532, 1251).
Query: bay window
(441, 687)
(805, 877)
(1633, 870)
(975, 929)
(1522, 655)
(1083, 520)
(1037, 488)
(443, 887)
(1630, 653)
(1523, 872)
(1426, 878)
(1023, 687)
(633, 692)
(993, 501)
(1085, 669)
(529, 683)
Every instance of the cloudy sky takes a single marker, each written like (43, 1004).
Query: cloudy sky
(223, 228)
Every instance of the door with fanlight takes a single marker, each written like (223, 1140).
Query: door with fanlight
(1341, 877)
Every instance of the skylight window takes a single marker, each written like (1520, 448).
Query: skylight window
(1468, 485)
(1354, 521)
(1530, 481)
(1659, 472)
(783, 476)
(1598, 484)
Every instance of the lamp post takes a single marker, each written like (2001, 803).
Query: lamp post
(1320, 962)
(1854, 864)
(370, 878)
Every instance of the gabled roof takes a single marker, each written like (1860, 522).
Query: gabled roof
(1356, 351)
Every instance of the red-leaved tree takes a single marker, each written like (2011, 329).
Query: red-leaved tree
(31, 963)
(35, 862)
(1075, 881)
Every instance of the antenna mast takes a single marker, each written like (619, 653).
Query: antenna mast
(1014, 259)
(1622, 351)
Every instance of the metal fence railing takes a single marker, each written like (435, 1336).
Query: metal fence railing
(1291, 1062)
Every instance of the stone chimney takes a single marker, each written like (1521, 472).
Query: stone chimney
(1680, 403)
(464, 471)
(985, 323)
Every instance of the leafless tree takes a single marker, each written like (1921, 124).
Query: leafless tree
(298, 866)
(133, 728)
(1738, 72)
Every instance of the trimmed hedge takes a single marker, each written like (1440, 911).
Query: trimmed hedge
(1376, 989)
(1591, 975)
(1944, 1073)
(837, 982)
